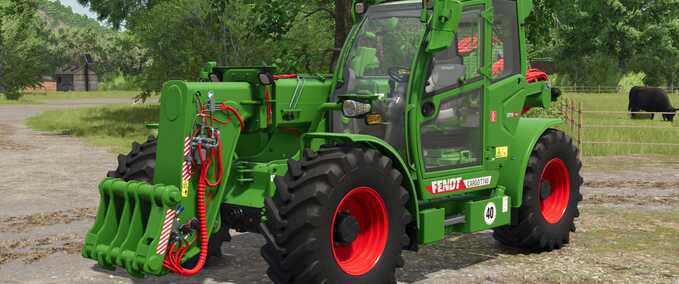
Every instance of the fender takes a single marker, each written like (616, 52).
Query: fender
(526, 136)
(379, 145)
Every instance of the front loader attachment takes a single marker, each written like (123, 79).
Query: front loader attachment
(155, 227)
(128, 231)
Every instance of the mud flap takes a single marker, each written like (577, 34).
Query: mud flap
(128, 226)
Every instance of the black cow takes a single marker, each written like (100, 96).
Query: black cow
(650, 100)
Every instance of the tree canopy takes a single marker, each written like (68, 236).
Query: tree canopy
(149, 42)
(24, 52)
(589, 39)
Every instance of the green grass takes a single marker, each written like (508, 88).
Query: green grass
(117, 126)
(110, 126)
(22, 101)
(38, 97)
(642, 131)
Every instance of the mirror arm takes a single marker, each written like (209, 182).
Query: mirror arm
(444, 21)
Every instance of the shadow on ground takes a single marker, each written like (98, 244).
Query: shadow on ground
(242, 262)
(454, 253)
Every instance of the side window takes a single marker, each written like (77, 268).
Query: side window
(461, 62)
(506, 54)
(453, 139)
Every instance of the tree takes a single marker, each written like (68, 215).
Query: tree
(657, 53)
(24, 52)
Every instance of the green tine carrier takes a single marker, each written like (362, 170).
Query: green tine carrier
(420, 133)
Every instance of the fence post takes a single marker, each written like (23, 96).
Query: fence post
(581, 122)
(564, 111)
(572, 116)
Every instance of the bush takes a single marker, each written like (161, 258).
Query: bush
(13, 96)
(629, 81)
(119, 82)
(554, 110)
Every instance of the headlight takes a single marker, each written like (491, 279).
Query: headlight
(353, 109)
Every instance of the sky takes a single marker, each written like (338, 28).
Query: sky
(77, 8)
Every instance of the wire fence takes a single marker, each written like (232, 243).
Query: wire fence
(607, 129)
(601, 89)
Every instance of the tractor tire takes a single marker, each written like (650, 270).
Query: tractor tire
(140, 165)
(338, 216)
(550, 197)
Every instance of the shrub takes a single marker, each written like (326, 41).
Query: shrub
(13, 96)
(119, 82)
(629, 81)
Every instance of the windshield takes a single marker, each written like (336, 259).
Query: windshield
(379, 64)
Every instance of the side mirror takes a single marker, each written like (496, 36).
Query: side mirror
(445, 18)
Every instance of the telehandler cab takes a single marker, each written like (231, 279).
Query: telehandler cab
(419, 134)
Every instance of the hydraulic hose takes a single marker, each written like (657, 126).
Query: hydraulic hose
(176, 253)
(174, 263)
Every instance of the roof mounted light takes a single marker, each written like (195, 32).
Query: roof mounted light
(265, 78)
(428, 4)
(360, 8)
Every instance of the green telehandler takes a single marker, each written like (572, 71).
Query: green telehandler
(419, 134)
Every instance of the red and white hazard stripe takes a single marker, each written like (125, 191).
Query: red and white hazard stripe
(186, 167)
(165, 232)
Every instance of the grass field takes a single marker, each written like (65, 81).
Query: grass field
(620, 128)
(38, 97)
(117, 126)
(110, 126)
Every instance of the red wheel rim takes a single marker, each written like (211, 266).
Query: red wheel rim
(554, 206)
(361, 255)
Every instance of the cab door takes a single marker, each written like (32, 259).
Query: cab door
(453, 117)
(508, 81)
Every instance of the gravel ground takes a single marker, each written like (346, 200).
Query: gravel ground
(627, 231)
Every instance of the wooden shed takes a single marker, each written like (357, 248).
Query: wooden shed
(79, 78)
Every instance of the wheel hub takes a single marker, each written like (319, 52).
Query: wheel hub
(346, 229)
(359, 231)
(555, 188)
(545, 190)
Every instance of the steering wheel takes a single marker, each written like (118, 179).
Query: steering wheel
(399, 74)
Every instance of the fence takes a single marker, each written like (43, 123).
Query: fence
(604, 89)
(582, 130)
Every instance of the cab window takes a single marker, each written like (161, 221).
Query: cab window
(506, 54)
(461, 62)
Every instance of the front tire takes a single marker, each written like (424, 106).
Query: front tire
(550, 198)
(338, 216)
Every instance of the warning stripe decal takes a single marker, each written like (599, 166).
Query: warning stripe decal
(165, 232)
(186, 167)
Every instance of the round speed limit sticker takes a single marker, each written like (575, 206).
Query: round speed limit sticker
(490, 213)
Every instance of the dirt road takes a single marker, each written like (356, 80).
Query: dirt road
(627, 231)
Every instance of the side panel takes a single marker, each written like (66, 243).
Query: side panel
(526, 136)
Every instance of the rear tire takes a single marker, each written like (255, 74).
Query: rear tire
(307, 242)
(140, 165)
(550, 198)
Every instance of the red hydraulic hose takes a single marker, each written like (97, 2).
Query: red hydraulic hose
(284, 76)
(173, 263)
(234, 112)
(176, 253)
(267, 100)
